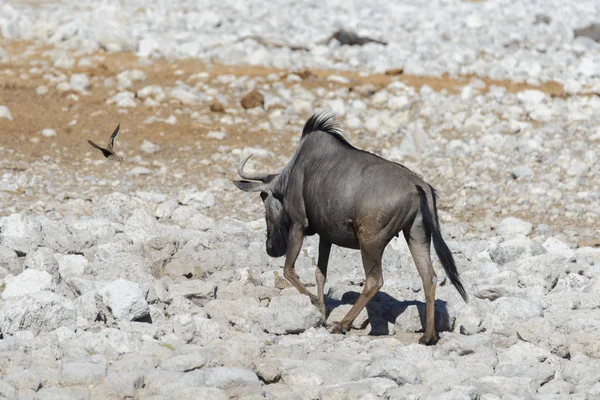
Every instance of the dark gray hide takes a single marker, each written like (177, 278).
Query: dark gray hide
(355, 199)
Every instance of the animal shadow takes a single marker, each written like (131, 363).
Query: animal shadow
(384, 309)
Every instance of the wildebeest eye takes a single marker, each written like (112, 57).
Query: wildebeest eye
(263, 196)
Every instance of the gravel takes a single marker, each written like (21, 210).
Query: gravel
(149, 279)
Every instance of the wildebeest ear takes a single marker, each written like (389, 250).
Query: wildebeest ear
(248, 186)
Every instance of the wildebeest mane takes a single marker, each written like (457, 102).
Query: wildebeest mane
(323, 122)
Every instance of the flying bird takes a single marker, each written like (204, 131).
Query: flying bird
(108, 152)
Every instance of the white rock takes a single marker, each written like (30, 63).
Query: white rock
(41, 90)
(79, 82)
(44, 312)
(218, 135)
(43, 260)
(123, 99)
(27, 283)
(508, 311)
(147, 46)
(203, 199)
(510, 227)
(117, 207)
(149, 147)
(126, 78)
(185, 95)
(514, 249)
(532, 96)
(165, 209)
(21, 233)
(48, 133)
(125, 299)
(200, 292)
(72, 265)
(399, 371)
(555, 246)
(221, 377)
(81, 373)
(7, 391)
(137, 171)
(186, 362)
(291, 314)
(5, 113)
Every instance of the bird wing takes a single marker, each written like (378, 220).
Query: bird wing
(95, 145)
(114, 135)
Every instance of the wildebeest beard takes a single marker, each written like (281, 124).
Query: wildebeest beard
(278, 226)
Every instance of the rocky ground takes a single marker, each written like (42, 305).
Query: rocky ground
(148, 278)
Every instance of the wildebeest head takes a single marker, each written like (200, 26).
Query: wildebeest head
(278, 222)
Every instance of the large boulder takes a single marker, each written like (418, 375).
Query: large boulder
(28, 283)
(291, 314)
(43, 259)
(125, 299)
(21, 233)
(43, 312)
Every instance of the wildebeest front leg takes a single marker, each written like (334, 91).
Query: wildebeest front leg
(371, 258)
(321, 274)
(420, 249)
(296, 236)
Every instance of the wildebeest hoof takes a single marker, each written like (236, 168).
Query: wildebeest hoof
(335, 328)
(429, 340)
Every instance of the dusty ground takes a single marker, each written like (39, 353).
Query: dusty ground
(185, 151)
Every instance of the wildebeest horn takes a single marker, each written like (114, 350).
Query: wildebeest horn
(254, 177)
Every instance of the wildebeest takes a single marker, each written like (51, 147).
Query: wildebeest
(354, 199)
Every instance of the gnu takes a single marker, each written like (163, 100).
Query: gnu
(354, 199)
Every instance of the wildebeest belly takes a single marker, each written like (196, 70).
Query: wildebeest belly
(334, 225)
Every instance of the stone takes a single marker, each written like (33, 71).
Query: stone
(7, 391)
(148, 147)
(198, 291)
(81, 373)
(117, 207)
(399, 371)
(217, 106)
(24, 380)
(500, 385)
(253, 99)
(79, 82)
(508, 311)
(20, 233)
(43, 259)
(555, 246)
(221, 377)
(123, 384)
(5, 113)
(360, 389)
(125, 299)
(55, 393)
(72, 265)
(510, 227)
(48, 133)
(123, 99)
(514, 249)
(44, 312)
(291, 314)
(186, 362)
(28, 283)
(194, 393)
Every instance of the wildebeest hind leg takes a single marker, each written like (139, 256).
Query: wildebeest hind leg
(296, 236)
(371, 257)
(419, 245)
(321, 275)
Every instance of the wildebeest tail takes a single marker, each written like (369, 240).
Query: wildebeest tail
(432, 227)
